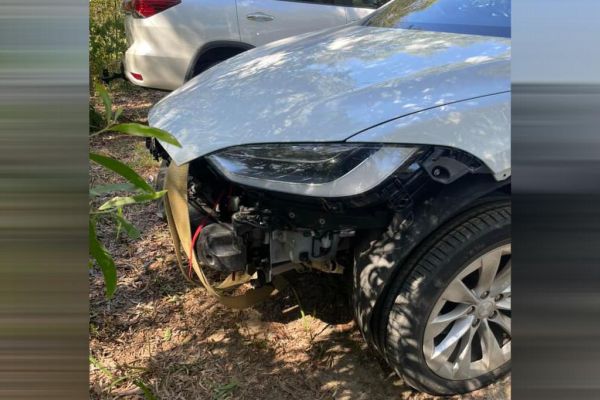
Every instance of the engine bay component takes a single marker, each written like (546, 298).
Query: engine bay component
(264, 232)
(220, 248)
(178, 217)
(306, 248)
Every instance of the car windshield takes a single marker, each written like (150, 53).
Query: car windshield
(473, 17)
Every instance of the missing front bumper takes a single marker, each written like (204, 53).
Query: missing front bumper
(177, 212)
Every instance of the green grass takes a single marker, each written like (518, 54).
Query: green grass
(225, 392)
(117, 380)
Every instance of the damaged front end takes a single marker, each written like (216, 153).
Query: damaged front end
(254, 212)
(260, 230)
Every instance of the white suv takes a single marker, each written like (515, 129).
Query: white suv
(171, 41)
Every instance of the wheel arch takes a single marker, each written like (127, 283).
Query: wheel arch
(403, 238)
(210, 49)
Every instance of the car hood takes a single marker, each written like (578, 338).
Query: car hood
(328, 87)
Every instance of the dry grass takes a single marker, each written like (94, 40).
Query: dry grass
(162, 333)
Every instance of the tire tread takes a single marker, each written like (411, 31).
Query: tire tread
(425, 262)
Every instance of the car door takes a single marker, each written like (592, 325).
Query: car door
(358, 9)
(264, 21)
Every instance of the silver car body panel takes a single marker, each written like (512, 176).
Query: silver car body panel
(338, 85)
(479, 126)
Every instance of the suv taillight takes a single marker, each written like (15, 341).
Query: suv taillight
(148, 8)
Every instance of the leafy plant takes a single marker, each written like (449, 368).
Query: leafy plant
(141, 191)
(107, 35)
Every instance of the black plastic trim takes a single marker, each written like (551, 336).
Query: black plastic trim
(211, 46)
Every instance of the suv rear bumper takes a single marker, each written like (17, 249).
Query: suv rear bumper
(160, 72)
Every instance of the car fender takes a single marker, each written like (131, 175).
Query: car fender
(479, 126)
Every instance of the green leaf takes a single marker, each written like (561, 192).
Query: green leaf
(134, 129)
(148, 395)
(96, 120)
(117, 381)
(116, 187)
(126, 201)
(107, 102)
(129, 228)
(101, 367)
(123, 170)
(104, 260)
(118, 114)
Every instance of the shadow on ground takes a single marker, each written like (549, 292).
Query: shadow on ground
(185, 345)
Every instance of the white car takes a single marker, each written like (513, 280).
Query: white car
(380, 150)
(171, 41)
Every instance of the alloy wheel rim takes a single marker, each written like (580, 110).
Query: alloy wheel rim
(468, 333)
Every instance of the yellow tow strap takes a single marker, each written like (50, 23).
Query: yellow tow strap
(176, 209)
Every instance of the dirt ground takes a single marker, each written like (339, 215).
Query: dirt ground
(169, 338)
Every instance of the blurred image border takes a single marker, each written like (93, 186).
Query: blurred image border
(556, 199)
(44, 99)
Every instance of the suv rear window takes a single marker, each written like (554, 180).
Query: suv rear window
(473, 17)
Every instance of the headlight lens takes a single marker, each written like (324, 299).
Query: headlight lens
(320, 170)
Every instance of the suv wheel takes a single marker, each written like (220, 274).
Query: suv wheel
(448, 323)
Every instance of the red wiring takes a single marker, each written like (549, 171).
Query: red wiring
(199, 230)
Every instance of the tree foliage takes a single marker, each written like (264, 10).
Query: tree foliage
(107, 35)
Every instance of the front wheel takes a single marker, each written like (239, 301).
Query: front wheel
(448, 323)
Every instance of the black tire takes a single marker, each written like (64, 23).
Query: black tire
(411, 298)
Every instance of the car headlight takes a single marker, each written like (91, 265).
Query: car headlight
(319, 170)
